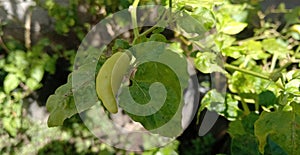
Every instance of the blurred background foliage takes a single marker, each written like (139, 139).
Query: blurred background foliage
(38, 43)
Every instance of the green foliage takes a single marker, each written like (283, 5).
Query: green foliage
(162, 67)
(283, 134)
(265, 52)
(168, 149)
(271, 58)
(208, 62)
(65, 109)
(224, 105)
(242, 134)
(22, 71)
(199, 146)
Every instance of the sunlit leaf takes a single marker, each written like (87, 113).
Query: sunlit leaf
(215, 101)
(275, 47)
(11, 82)
(207, 62)
(233, 27)
(37, 72)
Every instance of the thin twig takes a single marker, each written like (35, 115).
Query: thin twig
(27, 29)
(3, 46)
(134, 20)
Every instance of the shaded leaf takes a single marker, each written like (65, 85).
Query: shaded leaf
(61, 105)
(273, 149)
(282, 127)
(267, 98)
(120, 44)
(190, 24)
(158, 37)
(293, 16)
(243, 140)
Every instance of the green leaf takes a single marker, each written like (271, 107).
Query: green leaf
(273, 149)
(32, 84)
(176, 47)
(198, 3)
(140, 39)
(120, 44)
(273, 46)
(281, 127)
(293, 74)
(244, 145)
(207, 62)
(19, 59)
(11, 82)
(224, 41)
(61, 105)
(148, 51)
(158, 30)
(190, 24)
(158, 37)
(233, 27)
(211, 100)
(292, 17)
(9, 126)
(215, 101)
(253, 49)
(296, 28)
(155, 97)
(37, 72)
(50, 64)
(233, 51)
(244, 83)
(267, 98)
(243, 140)
(205, 17)
(293, 86)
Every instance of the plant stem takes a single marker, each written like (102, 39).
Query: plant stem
(274, 59)
(170, 8)
(256, 105)
(284, 66)
(148, 31)
(3, 46)
(27, 29)
(228, 66)
(158, 24)
(251, 38)
(134, 20)
(245, 106)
